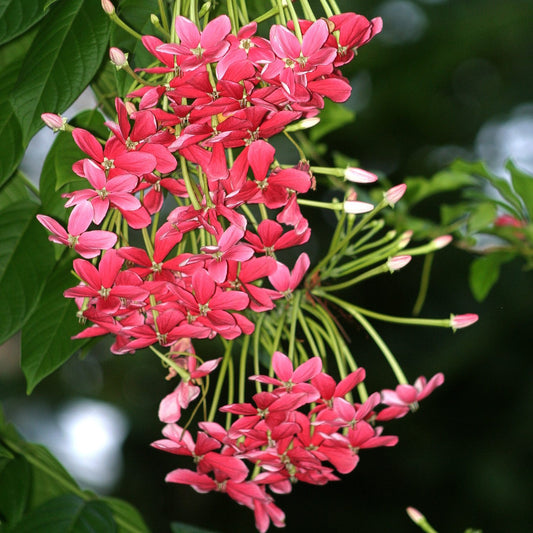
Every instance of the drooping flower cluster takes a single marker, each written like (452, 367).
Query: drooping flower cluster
(306, 429)
(166, 292)
(196, 131)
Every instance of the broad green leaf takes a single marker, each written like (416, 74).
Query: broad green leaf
(333, 117)
(15, 487)
(523, 185)
(26, 259)
(46, 336)
(12, 142)
(481, 217)
(16, 16)
(136, 13)
(13, 191)
(68, 514)
(180, 527)
(57, 176)
(50, 479)
(501, 185)
(420, 188)
(5, 453)
(64, 57)
(126, 516)
(484, 273)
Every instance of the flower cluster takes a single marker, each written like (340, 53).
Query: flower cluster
(164, 292)
(305, 429)
(195, 131)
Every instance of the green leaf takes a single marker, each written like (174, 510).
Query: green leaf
(446, 181)
(501, 185)
(16, 16)
(482, 216)
(12, 143)
(523, 185)
(15, 486)
(180, 527)
(65, 55)
(104, 86)
(13, 191)
(68, 514)
(484, 273)
(26, 259)
(57, 176)
(46, 336)
(127, 518)
(333, 117)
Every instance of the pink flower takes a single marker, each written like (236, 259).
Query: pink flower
(88, 244)
(463, 321)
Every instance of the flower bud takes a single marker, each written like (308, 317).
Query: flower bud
(397, 262)
(463, 321)
(108, 7)
(405, 239)
(130, 108)
(204, 9)
(304, 124)
(353, 207)
(415, 515)
(441, 242)
(393, 195)
(118, 57)
(154, 19)
(358, 175)
(53, 121)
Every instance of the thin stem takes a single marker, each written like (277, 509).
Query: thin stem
(169, 362)
(120, 23)
(424, 284)
(163, 15)
(242, 367)
(220, 381)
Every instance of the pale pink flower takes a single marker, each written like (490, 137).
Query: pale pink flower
(463, 321)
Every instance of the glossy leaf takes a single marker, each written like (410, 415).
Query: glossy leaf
(523, 185)
(127, 518)
(49, 79)
(15, 486)
(46, 336)
(68, 514)
(484, 273)
(16, 16)
(26, 259)
(13, 191)
(481, 217)
(12, 144)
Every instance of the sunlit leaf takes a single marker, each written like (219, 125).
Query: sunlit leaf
(126, 516)
(481, 217)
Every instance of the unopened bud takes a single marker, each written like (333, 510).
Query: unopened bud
(393, 195)
(405, 239)
(397, 262)
(358, 175)
(463, 321)
(118, 57)
(353, 207)
(53, 121)
(415, 515)
(304, 124)
(441, 242)
(108, 7)
(204, 9)
(154, 19)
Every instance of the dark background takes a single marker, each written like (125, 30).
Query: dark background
(440, 72)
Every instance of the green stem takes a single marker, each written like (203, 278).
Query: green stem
(31, 186)
(334, 206)
(169, 362)
(220, 381)
(434, 322)
(121, 24)
(242, 367)
(295, 307)
(163, 15)
(424, 284)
